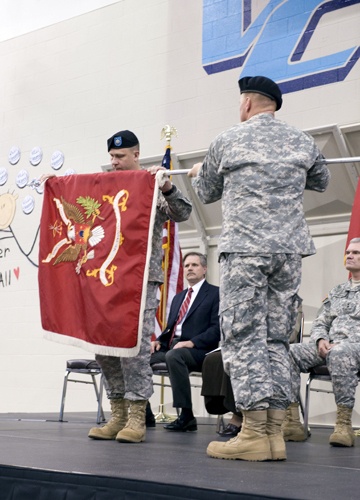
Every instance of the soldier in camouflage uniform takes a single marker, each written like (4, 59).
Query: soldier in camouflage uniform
(259, 169)
(128, 381)
(334, 341)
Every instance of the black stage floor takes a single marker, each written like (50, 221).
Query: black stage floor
(41, 459)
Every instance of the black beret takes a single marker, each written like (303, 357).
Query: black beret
(122, 139)
(261, 85)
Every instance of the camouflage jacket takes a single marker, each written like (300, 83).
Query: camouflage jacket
(260, 169)
(339, 316)
(175, 207)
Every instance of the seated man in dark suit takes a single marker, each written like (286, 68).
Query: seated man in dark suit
(192, 330)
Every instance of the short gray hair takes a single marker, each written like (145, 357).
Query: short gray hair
(202, 257)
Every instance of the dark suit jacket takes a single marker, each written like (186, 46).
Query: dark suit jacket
(201, 324)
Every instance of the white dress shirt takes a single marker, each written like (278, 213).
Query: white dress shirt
(196, 289)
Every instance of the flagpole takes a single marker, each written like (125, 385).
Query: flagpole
(162, 417)
(35, 183)
(355, 159)
(326, 161)
(167, 132)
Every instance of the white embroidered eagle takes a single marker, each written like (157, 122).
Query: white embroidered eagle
(80, 232)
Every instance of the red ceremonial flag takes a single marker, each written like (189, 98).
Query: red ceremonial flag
(95, 248)
(354, 227)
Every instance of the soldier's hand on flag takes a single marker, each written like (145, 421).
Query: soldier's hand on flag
(194, 170)
(162, 177)
(45, 177)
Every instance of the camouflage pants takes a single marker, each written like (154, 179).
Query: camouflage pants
(343, 362)
(258, 310)
(131, 378)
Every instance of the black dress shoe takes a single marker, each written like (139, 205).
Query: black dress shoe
(150, 422)
(181, 425)
(150, 417)
(230, 430)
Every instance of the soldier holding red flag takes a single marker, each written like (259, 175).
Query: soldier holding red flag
(128, 380)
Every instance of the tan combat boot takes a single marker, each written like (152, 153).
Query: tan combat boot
(119, 417)
(252, 442)
(343, 434)
(275, 419)
(292, 428)
(135, 428)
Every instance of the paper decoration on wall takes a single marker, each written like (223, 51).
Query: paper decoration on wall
(36, 156)
(28, 205)
(22, 178)
(14, 155)
(57, 160)
(7, 209)
(3, 176)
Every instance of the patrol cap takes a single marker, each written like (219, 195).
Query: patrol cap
(122, 139)
(261, 85)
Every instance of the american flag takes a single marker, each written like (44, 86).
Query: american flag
(172, 263)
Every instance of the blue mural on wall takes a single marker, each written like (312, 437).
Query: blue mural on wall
(274, 41)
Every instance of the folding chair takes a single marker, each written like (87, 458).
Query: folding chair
(318, 373)
(161, 370)
(90, 368)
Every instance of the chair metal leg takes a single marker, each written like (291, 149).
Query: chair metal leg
(63, 396)
(220, 424)
(301, 407)
(306, 407)
(162, 417)
(100, 417)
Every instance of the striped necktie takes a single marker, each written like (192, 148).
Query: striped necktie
(184, 307)
(183, 310)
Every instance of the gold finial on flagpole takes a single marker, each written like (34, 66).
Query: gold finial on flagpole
(167, 132)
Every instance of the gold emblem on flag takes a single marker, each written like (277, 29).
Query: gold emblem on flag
(82, 235)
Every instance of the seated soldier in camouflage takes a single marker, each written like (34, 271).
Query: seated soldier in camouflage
(334, 340)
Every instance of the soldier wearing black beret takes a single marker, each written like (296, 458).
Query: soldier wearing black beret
(123, 139)
(259, 169)
(261, 85)
(129, 380)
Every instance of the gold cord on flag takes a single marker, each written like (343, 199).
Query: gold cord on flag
(167, 132)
